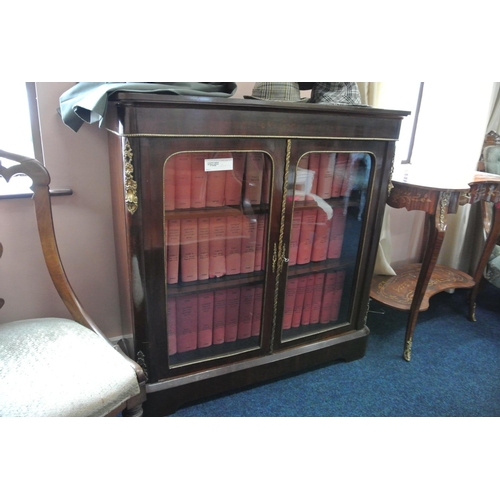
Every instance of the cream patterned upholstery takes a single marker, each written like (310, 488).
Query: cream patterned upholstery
(56, 367)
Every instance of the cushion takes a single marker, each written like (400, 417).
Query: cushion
(57, 367)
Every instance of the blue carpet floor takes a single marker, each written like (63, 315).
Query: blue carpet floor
(454, 371)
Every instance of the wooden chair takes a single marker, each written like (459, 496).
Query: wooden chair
(489, 162)
(55, 366)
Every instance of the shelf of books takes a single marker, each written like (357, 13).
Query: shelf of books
(216, 207)
(326, 227)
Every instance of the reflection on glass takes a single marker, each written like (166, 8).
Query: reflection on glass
(216, 215)
(329, 203)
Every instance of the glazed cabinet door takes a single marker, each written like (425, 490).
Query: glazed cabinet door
(331, 223)
(209, 210)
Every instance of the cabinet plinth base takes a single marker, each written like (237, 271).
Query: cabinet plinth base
(397, 291)
(348, 347)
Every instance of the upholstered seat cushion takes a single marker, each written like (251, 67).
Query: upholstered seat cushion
(56, 367)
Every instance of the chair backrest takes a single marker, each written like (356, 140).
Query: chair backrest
(43, 210)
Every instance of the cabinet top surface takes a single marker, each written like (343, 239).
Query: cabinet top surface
(157, 115)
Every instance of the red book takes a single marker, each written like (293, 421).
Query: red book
(319, 280)
(248, 243)
(337, 295)
(264, 256)
(203, 248)
(199, 180)
(233, 191)
(325, 178)
(308, 298)
(327, 302)
(233, 244)
(336, 236)
(299, 301)
(183, 181)
(216, 184)
(187, 323)
(300, 179)
(257, 310)
(339, 174)
(169, 184)
(314, 167)
(219, 316)
(259, 241)
(294, 237)
(266, 181)
(172, 325)
(173, 241)
(290, 293)
(306, 237)
(205, 319)
(232, 310)
(245, 315)
(321, 234)
(217, 247)
(253, 177)
(189, 250)
(350, 175)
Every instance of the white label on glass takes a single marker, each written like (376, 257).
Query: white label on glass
(215, 164)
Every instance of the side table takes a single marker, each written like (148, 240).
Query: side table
(414, 284)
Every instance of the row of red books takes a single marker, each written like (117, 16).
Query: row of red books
(336, 174)
(188, 185)
(313, 299)
(200, 320)
(199, 249)
(314, 237)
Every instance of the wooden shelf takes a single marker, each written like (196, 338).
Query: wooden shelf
(397, 291)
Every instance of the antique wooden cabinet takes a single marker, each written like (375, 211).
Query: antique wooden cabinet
(246, 236)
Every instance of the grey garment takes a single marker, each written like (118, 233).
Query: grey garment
(87, 101)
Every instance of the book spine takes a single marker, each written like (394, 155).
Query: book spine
(314, 159)
(246, 312)
(189, 250)
(232, 310)
(336, 236)
(294, 238)
(339, 174)
(219, 316)
(325, 178)
(172, 325)
(233, 190)
(183, 181)
(259, 241)
(205, 319)
(233, 244)
(306, 238)
(187, 323)
(169, 184)
(264, 256)
(290, 293)
(216, 184)
(257, 310)
(266, 181)
(248, 243)
(198, 181)
(321, 234)
(308, 298)
(319, 281)
(217, 247)
(327, 301)
(173, 242)
(299, 301)
(337, 295)
(253, 177)
(203, 248)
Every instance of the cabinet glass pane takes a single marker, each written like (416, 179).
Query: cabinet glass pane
(216, 219)
(329, 205)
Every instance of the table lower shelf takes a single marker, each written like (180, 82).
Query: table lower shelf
(397, 291)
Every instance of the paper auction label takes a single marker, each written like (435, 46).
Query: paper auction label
(215, 164)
